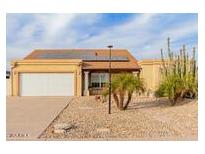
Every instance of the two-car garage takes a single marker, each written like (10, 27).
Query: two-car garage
(46, 78)
(46, 84)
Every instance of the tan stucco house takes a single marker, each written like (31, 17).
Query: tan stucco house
(68, 72)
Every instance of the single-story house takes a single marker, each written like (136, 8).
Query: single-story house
(68, 72)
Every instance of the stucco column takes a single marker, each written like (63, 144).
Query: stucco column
(86, 90)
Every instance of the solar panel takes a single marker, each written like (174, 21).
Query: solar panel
(84, 57)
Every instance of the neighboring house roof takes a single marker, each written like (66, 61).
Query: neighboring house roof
(92, 58)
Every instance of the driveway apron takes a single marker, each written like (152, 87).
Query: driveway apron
(28, 117)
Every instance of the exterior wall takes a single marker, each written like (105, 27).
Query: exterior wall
(46, 66)
(8, 87)
(151, 73)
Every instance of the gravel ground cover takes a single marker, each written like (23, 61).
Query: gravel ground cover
(145, 119)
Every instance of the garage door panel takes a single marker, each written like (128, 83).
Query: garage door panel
(47, 84)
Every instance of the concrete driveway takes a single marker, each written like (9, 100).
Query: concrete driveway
(28, 117)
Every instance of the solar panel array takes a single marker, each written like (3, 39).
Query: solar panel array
(84, 57)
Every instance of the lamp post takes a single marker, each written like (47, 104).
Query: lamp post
(109, 107)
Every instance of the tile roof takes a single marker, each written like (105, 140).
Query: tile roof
(92, 58)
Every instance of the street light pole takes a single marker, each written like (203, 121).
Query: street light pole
(109, 107)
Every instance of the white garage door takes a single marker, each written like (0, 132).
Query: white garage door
(46, 84)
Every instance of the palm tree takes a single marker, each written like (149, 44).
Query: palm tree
(125, 84)
(133, 84)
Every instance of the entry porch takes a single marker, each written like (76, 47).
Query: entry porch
(94, 81)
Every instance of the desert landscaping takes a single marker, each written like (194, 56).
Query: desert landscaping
(104, 94)
(145, 119)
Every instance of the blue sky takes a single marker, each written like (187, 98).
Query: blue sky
(142, 34)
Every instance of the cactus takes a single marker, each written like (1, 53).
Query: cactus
(193, 67)
(183, 68)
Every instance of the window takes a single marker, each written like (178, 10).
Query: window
(99, 80)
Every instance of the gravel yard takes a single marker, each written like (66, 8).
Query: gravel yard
(145, 119)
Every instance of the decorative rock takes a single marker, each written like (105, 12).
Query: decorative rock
(85, 108)
(63, 126)
(59, 131)
(144, 121)
(103, 130)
